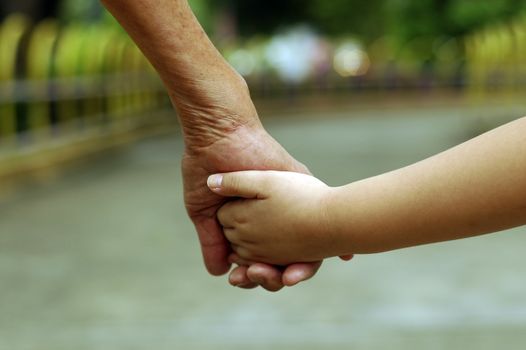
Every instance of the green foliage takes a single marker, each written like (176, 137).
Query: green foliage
(435, 18)
(337, 17)
(412, 25)
(267, 16)
(465, 15)
(401, 19)
(417, 26)
(409, 19)
(80, 11)
(203, 10)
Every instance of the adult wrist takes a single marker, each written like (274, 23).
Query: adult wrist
(202, 134)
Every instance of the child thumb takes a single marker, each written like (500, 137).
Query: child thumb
(245, 184)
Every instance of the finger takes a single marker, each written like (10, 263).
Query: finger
(245, 184)
(238, 278)
(231, 235)
(241, 251)
(225, 215)
(267, 276)
(214, 246)
(236, 259)
(347, 257)
(296, 273)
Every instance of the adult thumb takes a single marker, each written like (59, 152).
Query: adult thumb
(245, 184)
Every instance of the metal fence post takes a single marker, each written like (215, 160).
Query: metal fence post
(39, 62)
(11, 32)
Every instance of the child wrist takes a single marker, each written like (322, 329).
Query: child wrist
(329, 223)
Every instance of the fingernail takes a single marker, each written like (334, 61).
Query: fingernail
(233, 283)
(214, 181)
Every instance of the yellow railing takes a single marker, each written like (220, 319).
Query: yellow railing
(11, 31)
(496, 58)
(57, 80)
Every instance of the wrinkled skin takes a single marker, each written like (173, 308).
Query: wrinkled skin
(220, 125)
(246, 147)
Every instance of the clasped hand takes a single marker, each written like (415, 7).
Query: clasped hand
(278, 218)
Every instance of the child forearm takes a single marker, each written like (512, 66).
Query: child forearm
(475, 188)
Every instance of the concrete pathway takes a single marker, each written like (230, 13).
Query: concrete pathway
(105, 258)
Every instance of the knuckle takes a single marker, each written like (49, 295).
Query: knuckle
(239, 219)
(231, 181)
(244, 253)
(231, 235)
(224, 214)
(231, 214)
(221, 217)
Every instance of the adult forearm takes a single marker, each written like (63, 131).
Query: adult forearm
(171, 37)
(472, 189)
(207, 92)
(221, 129)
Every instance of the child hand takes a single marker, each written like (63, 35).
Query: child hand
(280, 218)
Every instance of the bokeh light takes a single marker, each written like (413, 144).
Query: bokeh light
(292, 54)
(244, 61)
(350, 60)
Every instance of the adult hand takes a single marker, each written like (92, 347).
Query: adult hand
(245, 147)
(220, 125)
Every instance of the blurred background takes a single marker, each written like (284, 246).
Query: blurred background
(96, 251)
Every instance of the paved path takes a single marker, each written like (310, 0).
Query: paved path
(105, 258)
